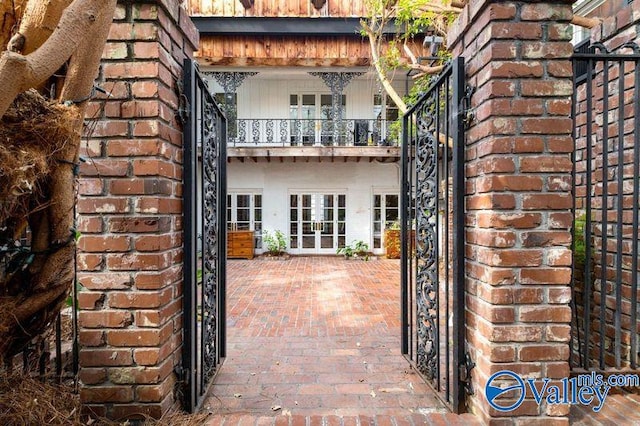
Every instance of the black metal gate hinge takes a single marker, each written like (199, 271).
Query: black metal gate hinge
(464, 370)
(468, 113)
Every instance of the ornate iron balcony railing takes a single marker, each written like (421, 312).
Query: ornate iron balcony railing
(304, 132)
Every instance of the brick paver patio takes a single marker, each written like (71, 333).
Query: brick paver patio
(316, 341)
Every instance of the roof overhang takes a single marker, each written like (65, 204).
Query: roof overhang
(215, 25)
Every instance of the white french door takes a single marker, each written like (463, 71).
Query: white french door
(311, 115)
(317, 222)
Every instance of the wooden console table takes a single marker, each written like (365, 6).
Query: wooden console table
(240, 244)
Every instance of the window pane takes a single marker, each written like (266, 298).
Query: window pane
(258, 200)
(376, 201)
(328, 214)
(309, 100)
(391, 215)
(293, 100)
(243, 215)
(326, 242)
(293, 200)
(325, 100)
(244, 200)
(308, 242)
(342, 228)
(391, 201)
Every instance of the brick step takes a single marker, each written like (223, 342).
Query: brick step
(431, 419)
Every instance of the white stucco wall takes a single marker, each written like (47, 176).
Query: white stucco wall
(359, 181)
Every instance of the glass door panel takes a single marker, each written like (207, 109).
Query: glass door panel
(385, 212)
(308, 116)
(293, 222)
(314, 223)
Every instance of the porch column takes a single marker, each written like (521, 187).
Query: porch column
(336, 82)
(518, 201)
(130, 216)
(230, 81)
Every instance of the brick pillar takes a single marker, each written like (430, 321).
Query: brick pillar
(518, 170)
(130, 216)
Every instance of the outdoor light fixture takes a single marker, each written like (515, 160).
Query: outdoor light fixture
(318, 3)
(248, 4)
(433, 43)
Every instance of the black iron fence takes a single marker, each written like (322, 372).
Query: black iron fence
(606, 192)
(310, 132)
(432, 216)
(54, 353)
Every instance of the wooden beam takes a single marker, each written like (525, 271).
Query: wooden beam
(283, 62)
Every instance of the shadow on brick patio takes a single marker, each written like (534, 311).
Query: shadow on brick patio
(318, 336)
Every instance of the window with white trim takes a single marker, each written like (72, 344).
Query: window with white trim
(244, 213)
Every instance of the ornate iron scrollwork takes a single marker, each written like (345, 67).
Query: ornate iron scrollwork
(284, 124)
(337, 82)
(255, 131)
(211, 227)
(269, 130)
(426, 158)
(242, 130)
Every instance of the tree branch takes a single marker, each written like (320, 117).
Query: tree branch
(384, 80)
(585, 22)
(39, 21)
(19, 73)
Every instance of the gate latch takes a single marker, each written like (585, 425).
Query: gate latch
(464, 371)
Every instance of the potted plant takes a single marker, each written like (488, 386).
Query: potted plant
(275, 243)
(359, 249)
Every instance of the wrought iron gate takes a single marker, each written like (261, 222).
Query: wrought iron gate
(205, 141)
(606, 188)
(432, 216)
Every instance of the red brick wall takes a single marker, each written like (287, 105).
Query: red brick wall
(614, 32)
(518, 169)
(129, 207)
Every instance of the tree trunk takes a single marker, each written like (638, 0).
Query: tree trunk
(52, 34)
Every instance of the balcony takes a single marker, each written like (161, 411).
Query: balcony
(303, 132)
(320, 139)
